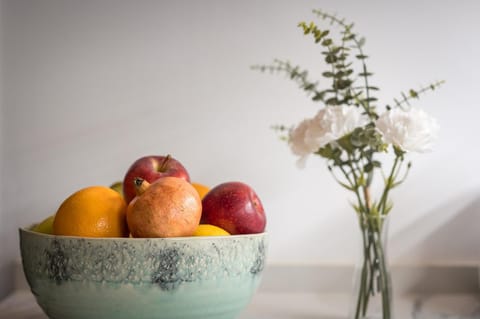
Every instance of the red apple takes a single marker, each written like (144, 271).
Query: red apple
(151, 168)
(235, 207)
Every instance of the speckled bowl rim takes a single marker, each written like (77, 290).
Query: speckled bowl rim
(28, 230)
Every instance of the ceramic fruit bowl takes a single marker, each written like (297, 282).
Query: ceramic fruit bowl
(156, 278)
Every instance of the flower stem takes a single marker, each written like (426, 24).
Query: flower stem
(374, 267)
(384, 280)
(388, 186)
(362, 300)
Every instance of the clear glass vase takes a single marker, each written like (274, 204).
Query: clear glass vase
(372, 289)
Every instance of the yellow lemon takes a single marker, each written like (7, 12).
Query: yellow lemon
(117, 186)
(46, 226)
(210, 230)
(95, 211)
(202, 190)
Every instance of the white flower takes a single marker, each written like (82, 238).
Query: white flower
(299, 140)
(330, 124)
(411, 129)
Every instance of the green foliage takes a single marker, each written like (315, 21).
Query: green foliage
(340, 61)
(295, 73)
(415, 94)
(282, 130)
(346, 81)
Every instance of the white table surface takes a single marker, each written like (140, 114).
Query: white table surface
(269, 305)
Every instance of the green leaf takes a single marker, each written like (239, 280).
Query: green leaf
(361, 42)
(309, 86)
(326, 152)
(356, 208)
(398, 151)
(361, 56)
(357, 141)
(318, 96)
(405, 98)
(327, 42)
(279, 127)
(335, 50)
(328, 74)
(332, 101)
(343, 65)
(388, 207)
(330, 58)
(361, 181)
(365, 74)
(374, 211)
(304, 26)
(325, 33)
(345, 185)
(342, 84)
(368, 167)
(346, 144)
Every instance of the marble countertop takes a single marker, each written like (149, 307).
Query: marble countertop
(271, 305)
(335, 306)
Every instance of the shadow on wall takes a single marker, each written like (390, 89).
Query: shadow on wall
(6, 278)
(447, 235)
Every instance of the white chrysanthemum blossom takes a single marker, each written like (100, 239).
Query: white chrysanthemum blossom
(328, 125)
(412, 130)
(298, 139)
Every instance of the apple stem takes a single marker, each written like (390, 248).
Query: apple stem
(141, 185)
(164, 163)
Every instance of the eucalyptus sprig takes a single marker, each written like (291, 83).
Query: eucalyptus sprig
(295, 73)
(414, 94)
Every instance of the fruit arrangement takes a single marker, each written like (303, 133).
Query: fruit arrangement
(157, 200)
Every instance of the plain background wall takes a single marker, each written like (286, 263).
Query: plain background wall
(5, 256)
(90, 86)
(5, 283)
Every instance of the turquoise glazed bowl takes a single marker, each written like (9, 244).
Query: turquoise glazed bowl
(135, 278)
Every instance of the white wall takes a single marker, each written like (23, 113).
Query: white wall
(5, 285)
(93, 85)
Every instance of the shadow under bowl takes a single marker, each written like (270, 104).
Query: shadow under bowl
(154, 278)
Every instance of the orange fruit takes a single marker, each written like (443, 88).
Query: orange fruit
(210, 230)
(95, 211)
(201, 189)
(169, 207)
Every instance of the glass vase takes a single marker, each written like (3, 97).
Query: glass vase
(372, 289)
